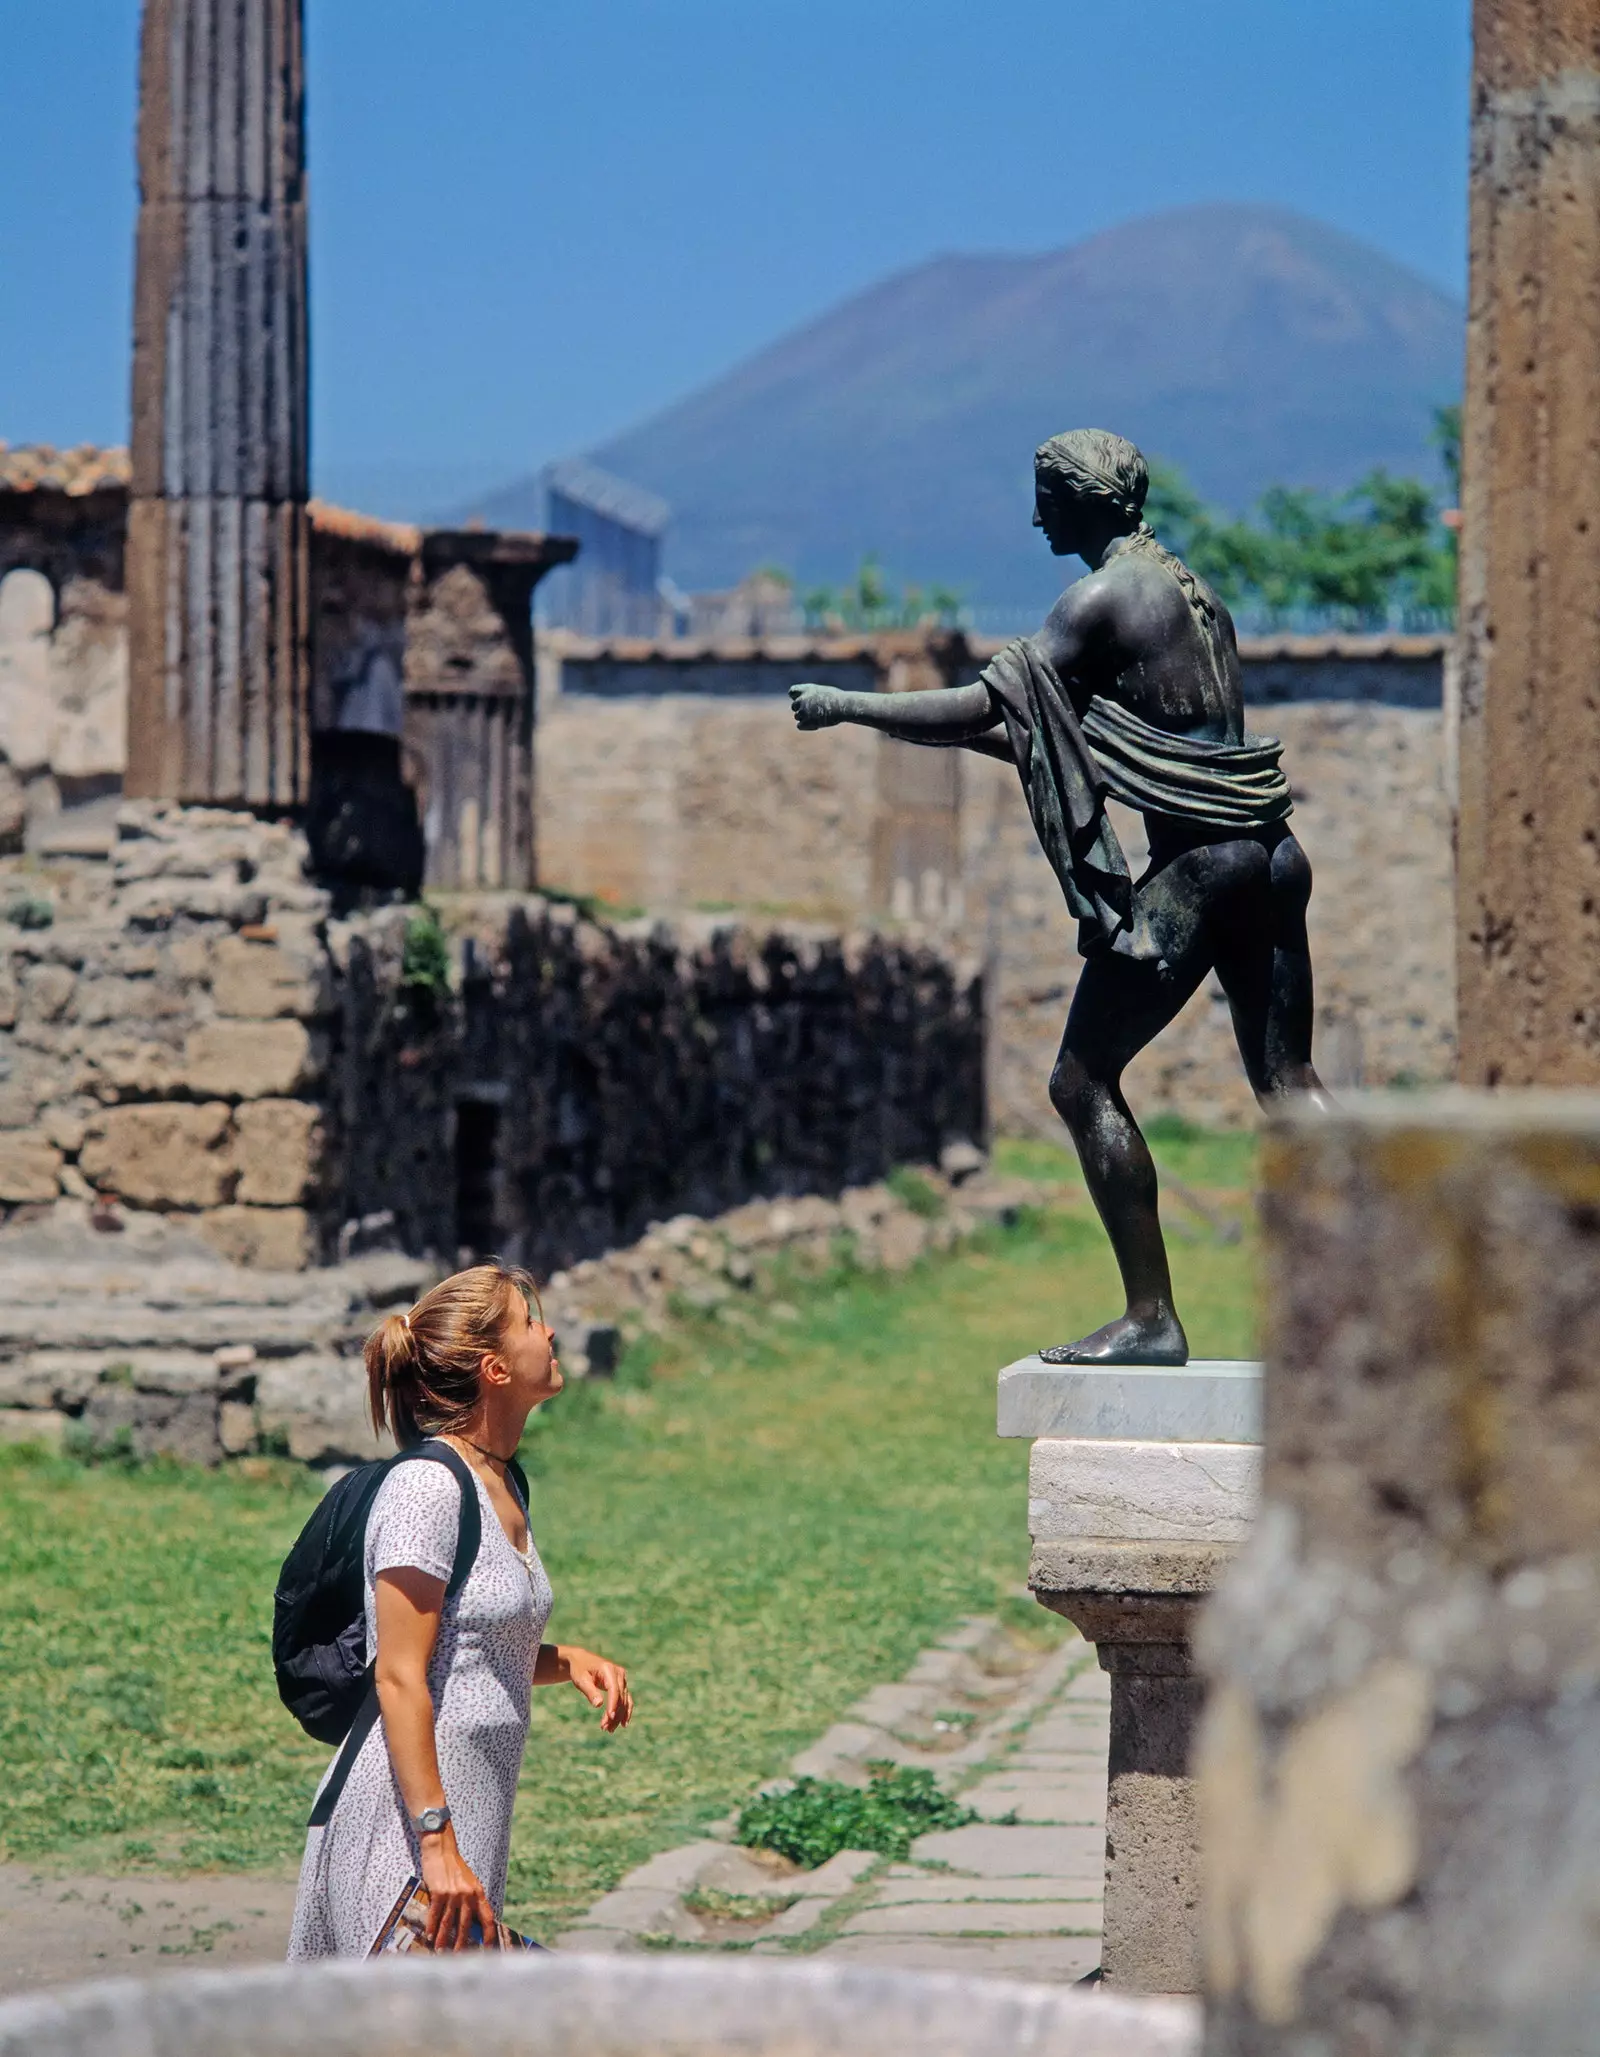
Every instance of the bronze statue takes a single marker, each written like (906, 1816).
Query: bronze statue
(1132, 690)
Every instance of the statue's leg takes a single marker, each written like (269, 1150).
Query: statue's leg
(1118, 1008)
(1264, 964)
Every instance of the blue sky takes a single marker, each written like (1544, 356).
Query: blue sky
(534, 224)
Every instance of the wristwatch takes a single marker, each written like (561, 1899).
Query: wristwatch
(430, 1820)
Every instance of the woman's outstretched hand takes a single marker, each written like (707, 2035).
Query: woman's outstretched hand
(602, 1683)
(455, 1898)
(816, 707)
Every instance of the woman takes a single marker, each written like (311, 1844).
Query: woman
(431, 1790)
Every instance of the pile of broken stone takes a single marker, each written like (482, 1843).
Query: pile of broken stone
(150, 1341)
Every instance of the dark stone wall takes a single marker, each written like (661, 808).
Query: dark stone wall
(577, 1082)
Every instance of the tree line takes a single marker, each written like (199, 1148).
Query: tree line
(1376, 556)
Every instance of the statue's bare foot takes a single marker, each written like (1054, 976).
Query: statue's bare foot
(1152, 1339)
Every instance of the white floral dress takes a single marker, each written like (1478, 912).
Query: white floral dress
(480, 1677)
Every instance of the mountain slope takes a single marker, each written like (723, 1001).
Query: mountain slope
(1249, 345)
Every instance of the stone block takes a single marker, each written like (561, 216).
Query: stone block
(42, 1425)
(976, 1918)
(1041, 1797)
(1399, 1764)
(278, 1151)
(829, 1880)
(169, 1154)
(46, 990)
(318, 1404)
(894, 1890)
(30, 1167)
(180, 1425)
(66, 1127)
(236, 1427)
(991, 1850)
(1211, 1400)
(1142, 1491)
(249, 1060)
(265, 1238)
(259, 981)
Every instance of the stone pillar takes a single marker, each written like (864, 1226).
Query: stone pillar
(1399, 1760)
(1142, 1482)
(217, 527)
(1528, 920)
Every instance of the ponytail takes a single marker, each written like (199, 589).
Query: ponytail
(425, 1368)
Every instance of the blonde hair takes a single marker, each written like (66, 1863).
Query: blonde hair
(425, 1368)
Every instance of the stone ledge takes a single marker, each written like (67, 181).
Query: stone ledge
(1084, 1565)
(1211, 1400)
(1142, 1492)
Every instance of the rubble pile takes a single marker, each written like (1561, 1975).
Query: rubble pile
(147, 1341)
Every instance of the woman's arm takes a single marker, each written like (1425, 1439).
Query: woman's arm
(408, 1607)
(947, 715)
(602, 1683)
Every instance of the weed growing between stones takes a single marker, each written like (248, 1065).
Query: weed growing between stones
(818, 1817)
(425, 955)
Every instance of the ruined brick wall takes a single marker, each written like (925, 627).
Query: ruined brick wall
(583, 1080)
(183, 1028)
(163, 1030)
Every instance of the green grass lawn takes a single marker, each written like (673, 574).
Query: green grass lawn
(760, 1526)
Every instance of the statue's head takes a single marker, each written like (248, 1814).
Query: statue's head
(1087, 482)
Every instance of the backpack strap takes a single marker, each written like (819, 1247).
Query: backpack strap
(469, 1535)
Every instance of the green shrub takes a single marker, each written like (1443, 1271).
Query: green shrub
(29, 911)
(818, 1817)
(912, 1190)
(425, 954)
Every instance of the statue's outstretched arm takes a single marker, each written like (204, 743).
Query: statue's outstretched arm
(948, 715)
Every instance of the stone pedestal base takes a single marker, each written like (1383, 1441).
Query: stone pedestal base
(1143, 1480)
(1136, 1604)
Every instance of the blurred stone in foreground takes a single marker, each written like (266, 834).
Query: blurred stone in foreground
(1399, 1762)
(588, 2007)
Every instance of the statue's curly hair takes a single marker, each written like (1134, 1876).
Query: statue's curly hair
(1093, 464)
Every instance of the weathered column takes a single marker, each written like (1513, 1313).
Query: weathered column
(1528, 920)
(217, 531)
(1399, 1760)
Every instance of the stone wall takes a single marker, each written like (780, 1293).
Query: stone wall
(184, 1028)
(584, 1079)
(671, 774)
(421, 678)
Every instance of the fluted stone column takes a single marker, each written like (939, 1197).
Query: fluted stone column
(1528, 922)
(217, 528)
(1399, 1759)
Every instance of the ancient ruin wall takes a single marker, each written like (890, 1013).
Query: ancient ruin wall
(583, 1080)
(183, 1028)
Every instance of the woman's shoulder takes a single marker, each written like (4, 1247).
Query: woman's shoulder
(419, 1503)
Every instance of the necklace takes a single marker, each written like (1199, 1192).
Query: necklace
(493, 1455)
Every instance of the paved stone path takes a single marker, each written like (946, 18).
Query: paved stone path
(1021, 1740)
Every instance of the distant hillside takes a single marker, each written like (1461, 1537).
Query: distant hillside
(1249, 345)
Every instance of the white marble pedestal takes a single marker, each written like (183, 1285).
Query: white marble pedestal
(1141, 1483)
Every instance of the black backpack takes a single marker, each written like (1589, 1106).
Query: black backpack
(319, 1620)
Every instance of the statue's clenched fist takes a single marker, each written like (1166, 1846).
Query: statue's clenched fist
(817, 707)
